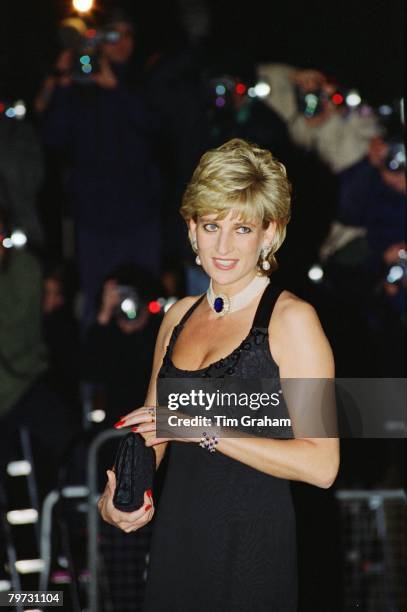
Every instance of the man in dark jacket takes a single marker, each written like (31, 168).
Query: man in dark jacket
(108, 133)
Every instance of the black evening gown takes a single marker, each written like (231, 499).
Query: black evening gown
(224, 535)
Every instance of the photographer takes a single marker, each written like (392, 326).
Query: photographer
(119, 346)
(373, 194)
(102, 124)
(341, 139)
(363, 256)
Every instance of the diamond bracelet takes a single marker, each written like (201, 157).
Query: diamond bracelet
(209, 442)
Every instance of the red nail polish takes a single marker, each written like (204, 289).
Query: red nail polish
(135, 428)
(149, 493)
(147, 507)
(119, 423)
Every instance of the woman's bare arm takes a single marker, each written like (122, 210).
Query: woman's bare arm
(302, 351)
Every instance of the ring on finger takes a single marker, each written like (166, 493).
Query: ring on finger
(151, 412)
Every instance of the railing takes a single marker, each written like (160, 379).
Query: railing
(374, 547)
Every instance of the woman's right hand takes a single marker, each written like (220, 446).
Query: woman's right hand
(127, 521)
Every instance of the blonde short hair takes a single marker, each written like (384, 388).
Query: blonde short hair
(241, 176)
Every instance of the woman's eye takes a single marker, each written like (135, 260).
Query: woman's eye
(209, 227)
(244, 227)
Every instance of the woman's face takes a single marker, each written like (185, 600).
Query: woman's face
(229, 249)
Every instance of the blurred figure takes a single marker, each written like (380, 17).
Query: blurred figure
(21, 174)
(121, 342)
(103, 124)
(60, 334)
(364, 256)
(341, 139)
(372, 197)
(174, 85)
(22, 351)
(25, 399)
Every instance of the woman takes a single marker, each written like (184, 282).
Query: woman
(224, 537)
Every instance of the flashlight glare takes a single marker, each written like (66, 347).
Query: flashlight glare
(316, 273)
(18, 238)
(82, 6)
(262, 89)
(353, 98)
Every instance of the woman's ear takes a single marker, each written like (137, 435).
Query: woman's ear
(270, 232)
(192, 230)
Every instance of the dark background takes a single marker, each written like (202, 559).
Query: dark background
(361, 43)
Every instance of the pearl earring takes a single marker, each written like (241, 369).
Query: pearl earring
(195, 248)
(265, 265)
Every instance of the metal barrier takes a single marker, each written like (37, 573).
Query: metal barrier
(72, 492)
(374, 530)
(93, 514)
(114, 541)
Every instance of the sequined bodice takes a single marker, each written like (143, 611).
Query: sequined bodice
(258, 362)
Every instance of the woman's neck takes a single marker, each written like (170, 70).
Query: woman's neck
(232, 289)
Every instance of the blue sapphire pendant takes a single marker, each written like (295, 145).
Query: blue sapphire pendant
(218, 304)
(221, 304)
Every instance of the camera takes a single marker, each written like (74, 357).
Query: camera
(312, 103)
(396, 157)
(130, 305)
(397, 272)
(84, 43)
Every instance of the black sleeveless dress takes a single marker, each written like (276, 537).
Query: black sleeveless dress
(224, 534)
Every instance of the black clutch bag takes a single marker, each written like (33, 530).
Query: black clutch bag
(134, 467)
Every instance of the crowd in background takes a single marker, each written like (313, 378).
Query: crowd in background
(93, 178)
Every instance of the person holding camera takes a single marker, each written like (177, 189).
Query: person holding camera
(121, 341)
(372, 195)
(363, 254)
(341, 140)
(101, 122)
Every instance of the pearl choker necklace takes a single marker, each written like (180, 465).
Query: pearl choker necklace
(222, 304)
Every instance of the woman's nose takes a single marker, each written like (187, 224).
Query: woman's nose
(225, 243)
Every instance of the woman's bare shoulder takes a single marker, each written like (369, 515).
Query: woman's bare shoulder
(291, 310)
(297, 336)
(175, 313)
